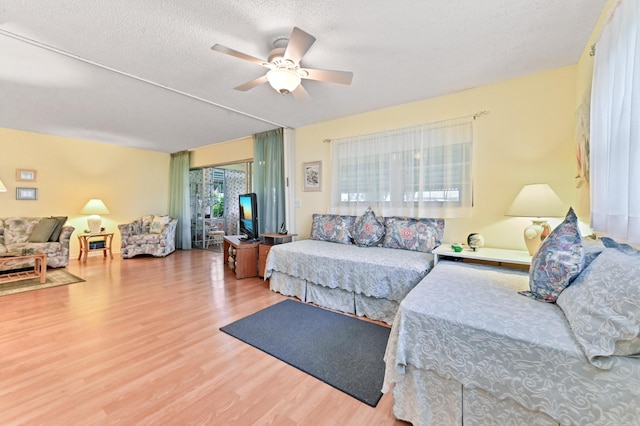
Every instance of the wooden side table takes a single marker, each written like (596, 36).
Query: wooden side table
(85, 245)
(243, 256)
(270, 240)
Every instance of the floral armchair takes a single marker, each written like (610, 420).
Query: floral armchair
(153, 235)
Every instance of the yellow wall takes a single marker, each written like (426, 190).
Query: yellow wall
(526, 138)
(131, 182)
(222, 153)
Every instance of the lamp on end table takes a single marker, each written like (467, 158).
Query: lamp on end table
(94, 207)
(540, 202)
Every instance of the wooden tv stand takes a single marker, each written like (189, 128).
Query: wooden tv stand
(243, 258)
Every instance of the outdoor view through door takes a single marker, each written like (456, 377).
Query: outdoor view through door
(214, 195)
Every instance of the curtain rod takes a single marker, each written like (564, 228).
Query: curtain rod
(593, 47)
(473, 116)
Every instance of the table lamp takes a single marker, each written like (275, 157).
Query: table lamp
(95, 208)
(536, 201)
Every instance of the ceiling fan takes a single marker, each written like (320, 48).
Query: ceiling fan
(285, 73)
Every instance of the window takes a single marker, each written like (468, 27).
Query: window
(419, 171)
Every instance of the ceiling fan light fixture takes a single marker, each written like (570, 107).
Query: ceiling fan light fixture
(283, 80)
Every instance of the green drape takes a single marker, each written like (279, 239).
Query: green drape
(179, 198)
(268, 179)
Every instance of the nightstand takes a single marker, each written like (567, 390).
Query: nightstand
(519, 259)
(270, 240)
(102, 244)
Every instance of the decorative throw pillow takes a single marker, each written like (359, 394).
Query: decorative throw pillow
(557, 262)
(55, 235)
(157, 224)
(145, 223)
(332, 227)
(625, 248)
(367, 230)
(592, 248)
(413, 234)
(602, 307)
(18, 229)
(42, 231)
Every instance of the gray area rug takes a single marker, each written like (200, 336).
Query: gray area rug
(55, 277)
(344, 352)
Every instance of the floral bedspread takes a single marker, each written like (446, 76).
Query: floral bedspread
(467, 322)
(373, 271)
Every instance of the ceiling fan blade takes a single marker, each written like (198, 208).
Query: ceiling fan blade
(301, 94)
(228, 51)
(340, 77)
(251, 84)
(299, 44)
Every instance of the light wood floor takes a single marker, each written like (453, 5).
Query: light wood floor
(139, 343)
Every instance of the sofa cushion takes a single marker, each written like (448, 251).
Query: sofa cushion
(413, 234)
(157, 224)
(367, 230)
(332, 228)
(602, 307)
(42, 231)
(142, 239)
(557, 262)
(55, 235)
(145, 224)
(18, 229)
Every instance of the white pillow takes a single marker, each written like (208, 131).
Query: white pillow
(602, 306)
(158, 223)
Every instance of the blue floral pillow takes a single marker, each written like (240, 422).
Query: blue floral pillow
(332, 227)
(413, 234)
(557, 262)
(367, 230)
(625, 248)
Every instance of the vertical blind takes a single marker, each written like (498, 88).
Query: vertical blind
(418, 171)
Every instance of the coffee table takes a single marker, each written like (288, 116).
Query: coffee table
(39, 267)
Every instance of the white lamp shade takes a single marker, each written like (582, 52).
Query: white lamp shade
(2, 187)
(537, 200)
(95, 206)
(283, 80)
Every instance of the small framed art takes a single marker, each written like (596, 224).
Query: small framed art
(312, 176)
(26, 193)
(26, 175)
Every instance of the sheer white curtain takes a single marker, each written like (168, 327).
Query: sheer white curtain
(418, 171)
(615, 126)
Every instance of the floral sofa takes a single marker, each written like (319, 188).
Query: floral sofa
(153, 235)
(361, 265)
(47, 235)
(477, 344)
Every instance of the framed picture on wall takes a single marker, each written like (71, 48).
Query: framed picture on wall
(26, 193)
(312, 173)
(26, 175)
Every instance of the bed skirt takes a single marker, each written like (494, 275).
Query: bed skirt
(379, 309)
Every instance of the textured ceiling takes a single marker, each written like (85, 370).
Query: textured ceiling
(141, 73)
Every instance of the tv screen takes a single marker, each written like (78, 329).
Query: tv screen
(249, 215)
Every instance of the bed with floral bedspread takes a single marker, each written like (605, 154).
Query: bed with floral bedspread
(467, 348)
(330, 270)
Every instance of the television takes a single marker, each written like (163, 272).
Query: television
(248, 204)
